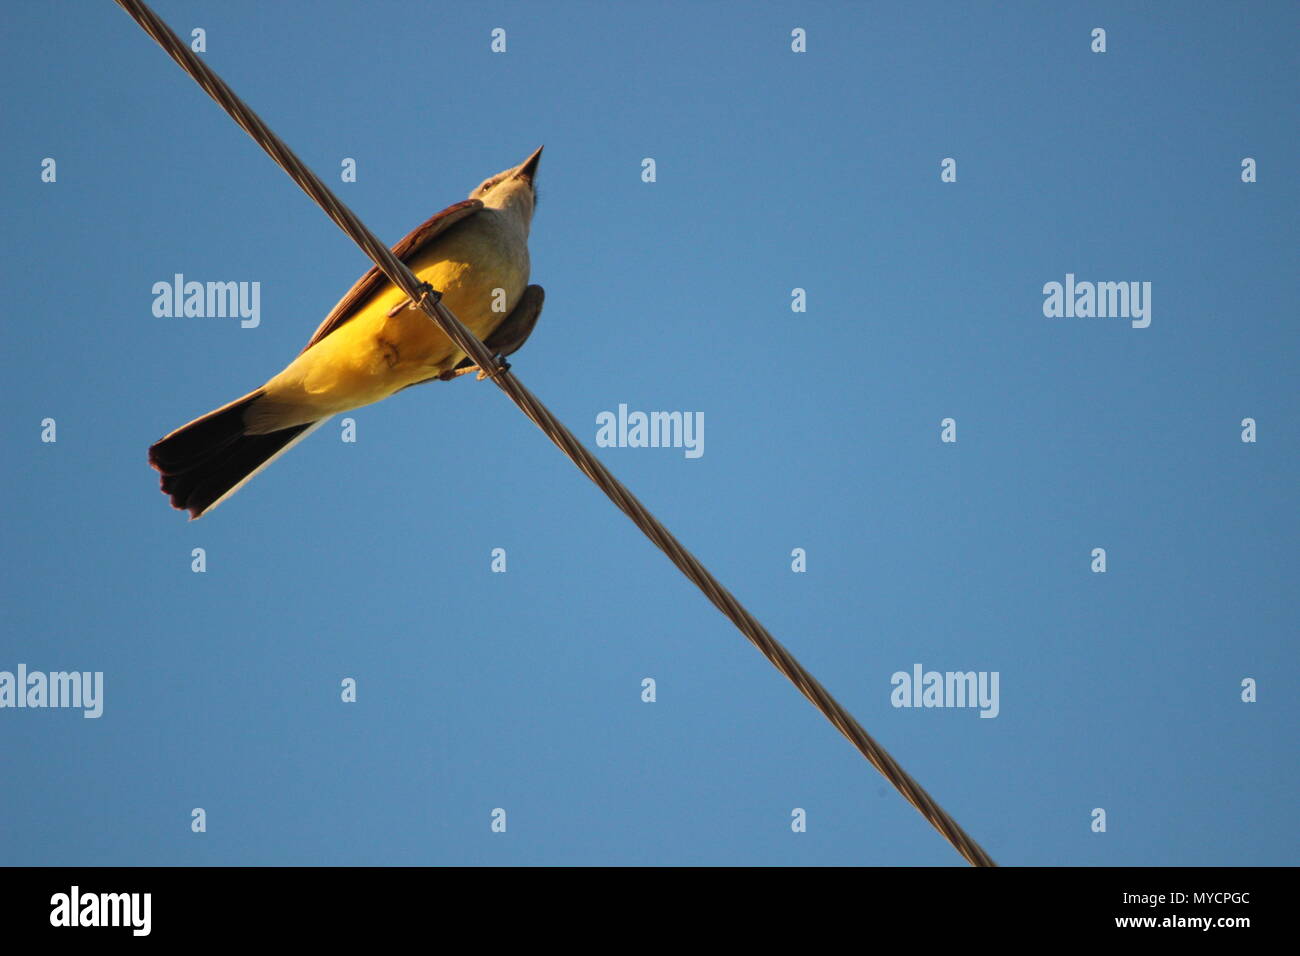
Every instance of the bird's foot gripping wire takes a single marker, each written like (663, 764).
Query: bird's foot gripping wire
(426, 292)
(452, 373)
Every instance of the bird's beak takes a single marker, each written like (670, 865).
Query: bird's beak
(528, 168)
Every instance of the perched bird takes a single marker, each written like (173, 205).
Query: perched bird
(374, 342)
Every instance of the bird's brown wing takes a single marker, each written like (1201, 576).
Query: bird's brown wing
(374, 280)
(508, 337)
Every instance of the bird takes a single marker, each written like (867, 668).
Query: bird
(374, 342)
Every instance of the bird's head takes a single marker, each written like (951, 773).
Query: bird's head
(512, 190)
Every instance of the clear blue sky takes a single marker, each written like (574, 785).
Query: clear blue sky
(775, 170)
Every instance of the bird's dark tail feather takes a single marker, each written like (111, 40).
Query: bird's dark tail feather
(203, 462)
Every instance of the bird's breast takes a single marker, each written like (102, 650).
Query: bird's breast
(481, 268)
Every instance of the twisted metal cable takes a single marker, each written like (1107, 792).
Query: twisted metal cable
(401, 276)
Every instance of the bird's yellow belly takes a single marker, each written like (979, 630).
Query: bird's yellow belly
(374, 355)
